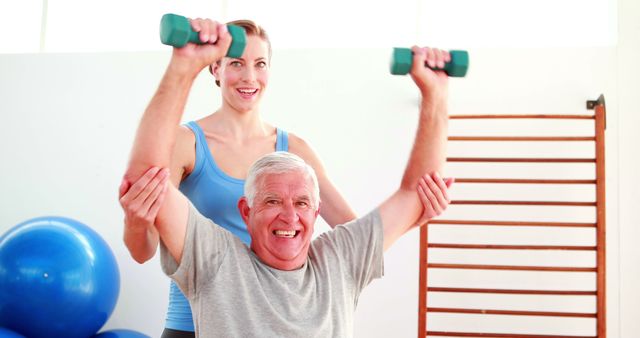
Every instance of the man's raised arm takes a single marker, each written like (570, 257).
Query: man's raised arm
(428, 155)
(156, 135)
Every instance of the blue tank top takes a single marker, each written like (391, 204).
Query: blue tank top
(215, 194)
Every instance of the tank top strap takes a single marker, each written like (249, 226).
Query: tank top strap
(201, 148)
(282, 140)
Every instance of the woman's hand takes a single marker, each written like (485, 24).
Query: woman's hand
(142, 200)
(433, 193)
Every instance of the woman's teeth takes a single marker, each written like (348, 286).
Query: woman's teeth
(247, 91)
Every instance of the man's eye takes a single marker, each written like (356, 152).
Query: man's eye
(261, 64)
(272, 202)
(235, 64)
(303, 204)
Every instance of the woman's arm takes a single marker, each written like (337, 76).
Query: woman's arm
(141, 202)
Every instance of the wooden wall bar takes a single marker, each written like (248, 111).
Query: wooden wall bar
(598, 249)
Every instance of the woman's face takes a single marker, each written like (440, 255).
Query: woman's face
(243, 80)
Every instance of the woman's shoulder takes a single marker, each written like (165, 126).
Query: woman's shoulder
(298, 141)
(185, 136)
(298, 145)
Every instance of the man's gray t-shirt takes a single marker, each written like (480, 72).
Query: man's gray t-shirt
(233, 294)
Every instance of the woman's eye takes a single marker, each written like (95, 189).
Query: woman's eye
(235, 64)
(261, 64)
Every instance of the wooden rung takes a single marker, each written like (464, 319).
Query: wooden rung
(512, 223)
(545, 203)
(522, 181)
(522, 138)
(512, 312)
(497, 335)
(524, 116)
(521, 160)
(513, 291)
(510, 247)
(509, 267)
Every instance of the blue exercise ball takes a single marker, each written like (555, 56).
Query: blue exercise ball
(58, 278)
(4, 333)
(120, 333)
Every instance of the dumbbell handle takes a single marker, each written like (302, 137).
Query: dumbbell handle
(402, 59)
(176, 31)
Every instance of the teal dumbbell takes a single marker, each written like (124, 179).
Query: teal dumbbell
(402, 59)
(176, 31)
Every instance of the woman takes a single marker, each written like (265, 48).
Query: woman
(226, 143)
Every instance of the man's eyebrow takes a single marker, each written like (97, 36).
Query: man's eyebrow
(304, 197)
(269, 195)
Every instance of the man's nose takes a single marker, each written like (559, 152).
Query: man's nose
(288, 213)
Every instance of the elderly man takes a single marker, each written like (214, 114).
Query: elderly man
(284, 285)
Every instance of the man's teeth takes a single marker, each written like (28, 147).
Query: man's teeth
(285, 233)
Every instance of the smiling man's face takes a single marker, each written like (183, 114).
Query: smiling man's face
(282, 219)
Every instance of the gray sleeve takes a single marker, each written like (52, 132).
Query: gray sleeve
(360, 244)
(205, 246)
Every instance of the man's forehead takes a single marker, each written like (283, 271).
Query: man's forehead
(287, 182)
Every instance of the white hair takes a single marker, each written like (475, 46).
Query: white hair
(279, 162)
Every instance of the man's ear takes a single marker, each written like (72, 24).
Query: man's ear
(318, 210)
(243, 207)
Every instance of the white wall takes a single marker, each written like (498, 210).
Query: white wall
(69, 119)
(628, 107)
(315, 24)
